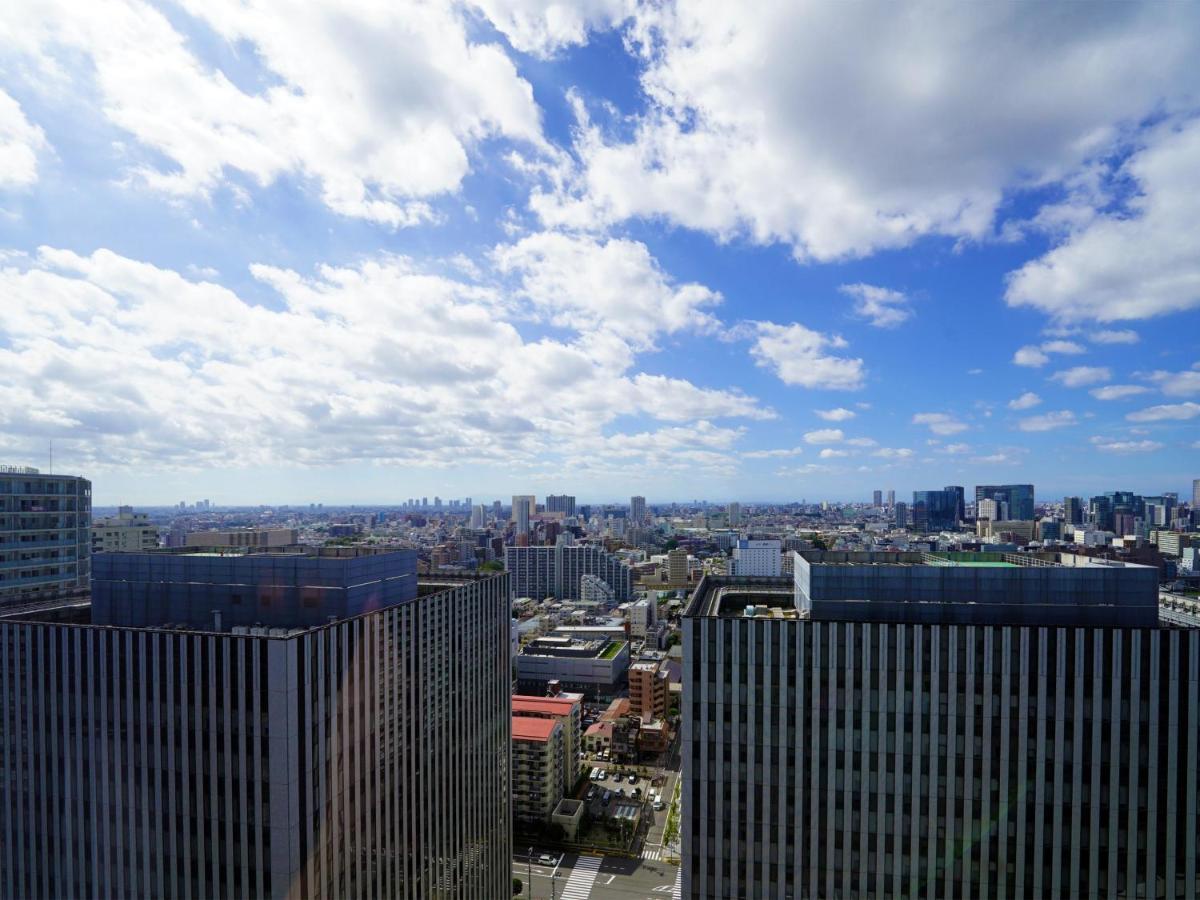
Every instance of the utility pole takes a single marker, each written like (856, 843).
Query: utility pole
(529, 860)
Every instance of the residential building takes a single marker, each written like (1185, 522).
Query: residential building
(1019, 498)
(595, 668)
(891, 498)
(643, 617)
(561, 503)
(45, 536)
(877, 499)
(595, 589)
(537, 768)
(637, 509)
(1172, 543)
(677, 567)
(873, 729)
(734, 514)
(567, 710)
(524, 506)
(648, 690)
(359, 756)
(126, 531)
(479, 516)
(558, 571)
(1195, 493)
(988, 510)
(756, 558)
(245, 537)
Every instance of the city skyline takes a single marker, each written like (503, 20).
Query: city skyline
(570, 252)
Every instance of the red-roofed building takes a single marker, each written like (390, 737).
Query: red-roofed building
(537, 767)
(568, 711)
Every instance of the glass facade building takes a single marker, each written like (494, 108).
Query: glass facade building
(1019, 498)
(934, 510)
(45, 535)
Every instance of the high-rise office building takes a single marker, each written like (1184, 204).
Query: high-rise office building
(637, 510)
(960, 510)
(1019, 498)
(934, 510)
(677, 567)
(734, 513)
(1100, 513)
(1195, 493)
(561, 503)
(891, 498)
(877, 499)
(901, 510)
(975, 726)
(523, 508)
(45, 535)
(354, 744)
(478, 516)
(1073, 511)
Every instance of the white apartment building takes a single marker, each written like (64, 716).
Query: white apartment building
(757, 558)
(127, 531)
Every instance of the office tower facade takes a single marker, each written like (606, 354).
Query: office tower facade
(988, 510)
(637, 510)
(1100, 513)
(343, 759)
(1019, 498)
(523, 508)
(559, 571)
(561, 503)
(891, 498)
(824, 757)
(960, 509)
(478, 516)
(757, 558)
(901, 510)
(734, 513)
(45, 535)
(933, 510)
(677, 567)
(877, 499)
(126, 531)
(1073, 510)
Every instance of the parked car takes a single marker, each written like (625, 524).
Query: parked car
(607, 796)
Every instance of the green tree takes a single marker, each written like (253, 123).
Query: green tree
(517, 886)
(493, 565)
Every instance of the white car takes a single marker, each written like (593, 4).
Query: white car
(659, 806)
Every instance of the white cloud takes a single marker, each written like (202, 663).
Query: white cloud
(20, 144)
(974, 371)
(1027, 400)
(543, 27)
(773, 454)
(830, 453)
(882, 307)
(1178, 384)
(955, 449)
(1048, 421)
(893, 453)
(800, 356)
(861, 442)
(1030, 356)
(1166, 412)
(1113, 446)
(614, 285)
(1117, 336)
(1079, 376)
(1067, 347)
(744, 135)
(838, 414)
(939, 423)
(1117, 391)
(824, 436)
(379, 107)
(137, 365)
(1136, 262)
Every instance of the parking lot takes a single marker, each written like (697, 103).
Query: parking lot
(619, 793)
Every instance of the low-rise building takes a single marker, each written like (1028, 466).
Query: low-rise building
(244, 537)
(595, 668)
(127, 531)
(757, 558)
(537, 773)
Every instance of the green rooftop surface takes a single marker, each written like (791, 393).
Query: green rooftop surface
(612, 650)
(986, 565)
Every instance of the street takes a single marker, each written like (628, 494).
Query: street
(580, 877)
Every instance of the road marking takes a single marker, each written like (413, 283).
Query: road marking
(610, 880)
(561, 856)
(677, 893)
(652, 854)
(579, 885)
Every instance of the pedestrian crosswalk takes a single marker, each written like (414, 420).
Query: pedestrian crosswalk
(579, 885)
(652, 853)
(677, 891)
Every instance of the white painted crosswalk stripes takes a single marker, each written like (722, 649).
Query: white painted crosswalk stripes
(677, 893)
(579, 885)
(655, 853)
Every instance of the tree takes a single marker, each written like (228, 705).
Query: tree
(672, 544)
(517, 886)
(493, 565)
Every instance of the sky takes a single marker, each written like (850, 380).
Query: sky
(361, 252)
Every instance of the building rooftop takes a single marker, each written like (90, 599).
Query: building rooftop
(531, 728)
(550, 706)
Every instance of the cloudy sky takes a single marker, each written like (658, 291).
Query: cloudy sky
(364, 251)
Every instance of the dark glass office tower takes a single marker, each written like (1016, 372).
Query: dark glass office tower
(190, 755)
(949, 725)
(934, 510)
(1019, 498)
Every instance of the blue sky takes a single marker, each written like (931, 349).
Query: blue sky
(363, 252)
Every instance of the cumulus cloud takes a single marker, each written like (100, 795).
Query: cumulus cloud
(1138, 261)
(939, 423)
(1114, 336)
(138, 365)
(861, 442)
(1166, 412)
(1109, 445)
(838, 414)
(544, 27)
(1079, 376)
(803, 357)
(20, 144)
(1178, 384)
(881, 307)
(824, 436)
(1035, 356)
(780, 452)
(893, 453)
(742, 134)
(595, 285)
(830, 453)
(1027, 400)
(1048, 421)
(955, 449)
(1117, 391)
(378, 107)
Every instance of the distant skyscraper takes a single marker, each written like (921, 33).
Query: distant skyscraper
(933, 510)
(877, 499)
(523, 508)
(497, 510)
(637, 509)
(478, 516)
(901, 510)
(45, 536)
(1196, 493)
(357, 747)
(734, 514)
(960, 509)
(891, 498)
(1019, 498)
(1073, 511)
(561, 503)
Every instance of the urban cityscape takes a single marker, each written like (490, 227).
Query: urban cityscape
(599, 450)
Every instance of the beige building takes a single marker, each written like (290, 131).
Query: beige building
(568, 712)
(677, 567)
(127, 531)
(537, 775)
(245, 537)
(648, 690)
